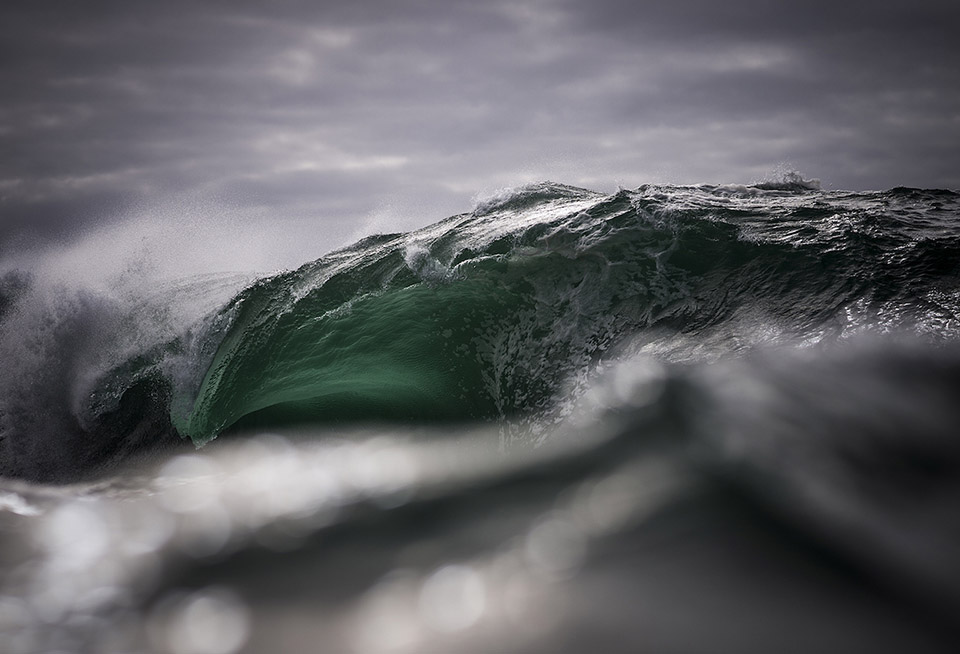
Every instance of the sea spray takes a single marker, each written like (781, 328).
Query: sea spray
(504, 314)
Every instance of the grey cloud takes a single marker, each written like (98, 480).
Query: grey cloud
(333, 110)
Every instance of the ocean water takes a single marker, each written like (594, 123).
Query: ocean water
(670, 419)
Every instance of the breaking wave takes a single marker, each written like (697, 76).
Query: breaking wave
(504, 314)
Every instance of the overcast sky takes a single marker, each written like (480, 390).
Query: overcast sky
(362, 116)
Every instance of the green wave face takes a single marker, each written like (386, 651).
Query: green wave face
(498, 313)
(440, 325)
(481, 316)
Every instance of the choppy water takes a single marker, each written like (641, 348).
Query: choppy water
(679, 419)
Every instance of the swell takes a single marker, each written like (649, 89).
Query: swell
(508, 312)
(505, 312)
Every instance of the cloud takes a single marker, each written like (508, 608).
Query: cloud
(330, 111)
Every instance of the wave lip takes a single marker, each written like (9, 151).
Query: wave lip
(790, 181)
(528, 196)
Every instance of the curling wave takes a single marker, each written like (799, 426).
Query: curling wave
(505, 313)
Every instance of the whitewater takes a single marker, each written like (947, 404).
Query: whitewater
(713, 418)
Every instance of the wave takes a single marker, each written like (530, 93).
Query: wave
(505, 314)
(789, 181)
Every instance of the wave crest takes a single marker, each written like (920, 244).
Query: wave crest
(504, 314)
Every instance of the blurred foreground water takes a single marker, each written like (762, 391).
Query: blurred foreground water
(790, 501)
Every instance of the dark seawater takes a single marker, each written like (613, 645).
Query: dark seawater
(671, 419)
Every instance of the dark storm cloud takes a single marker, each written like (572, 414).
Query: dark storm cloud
(333, 111)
